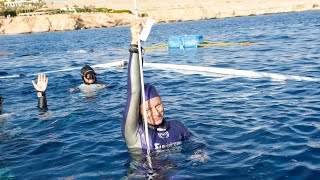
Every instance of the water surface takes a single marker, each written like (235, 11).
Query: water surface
(243, 128)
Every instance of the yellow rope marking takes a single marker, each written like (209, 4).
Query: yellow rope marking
(161, 46)
(207, 44)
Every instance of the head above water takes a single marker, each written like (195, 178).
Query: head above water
(150, 91)
(154, 106)
(88, 75)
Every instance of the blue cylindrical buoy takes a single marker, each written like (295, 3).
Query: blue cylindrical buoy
(192, 41)
(187, 41)
(175, 42)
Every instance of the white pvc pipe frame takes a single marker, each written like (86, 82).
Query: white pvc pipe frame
(232, 72)
(118, 63)
(190, 70)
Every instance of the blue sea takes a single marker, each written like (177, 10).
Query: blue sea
(243, 128)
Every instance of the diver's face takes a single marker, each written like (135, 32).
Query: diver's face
(155, 111)
(90, 78)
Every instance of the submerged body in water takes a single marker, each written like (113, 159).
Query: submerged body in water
(162, 164)
(90, 88)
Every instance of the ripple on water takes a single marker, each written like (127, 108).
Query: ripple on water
(48, 147)
(304, 128)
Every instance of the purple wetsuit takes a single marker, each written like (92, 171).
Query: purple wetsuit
(165, 135)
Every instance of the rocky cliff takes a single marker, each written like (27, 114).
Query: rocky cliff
(184, 10)
(61, 22)
(162, 11)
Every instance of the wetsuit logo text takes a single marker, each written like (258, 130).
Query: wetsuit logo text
(164, 146)
(163, 135)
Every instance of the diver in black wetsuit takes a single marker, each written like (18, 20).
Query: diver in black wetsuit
(88, 75)
(89, 78)
(41, 87)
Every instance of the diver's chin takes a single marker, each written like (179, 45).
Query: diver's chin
(158, 120)
(89, 82)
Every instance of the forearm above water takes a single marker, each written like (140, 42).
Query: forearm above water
(130, 122)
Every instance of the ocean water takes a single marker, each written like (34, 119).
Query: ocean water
(243, 128)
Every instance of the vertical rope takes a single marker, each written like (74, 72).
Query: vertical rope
(142, 87)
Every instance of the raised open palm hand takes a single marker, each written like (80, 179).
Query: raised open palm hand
(42, 83)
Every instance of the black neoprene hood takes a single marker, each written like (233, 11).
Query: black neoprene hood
(85, 69)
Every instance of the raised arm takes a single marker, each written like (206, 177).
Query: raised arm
(130, 121)
(41, 87)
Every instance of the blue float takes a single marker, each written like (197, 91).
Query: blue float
(187, 41)
(175, 42)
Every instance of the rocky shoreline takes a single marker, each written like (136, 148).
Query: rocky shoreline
(161, 13)
(61, 22)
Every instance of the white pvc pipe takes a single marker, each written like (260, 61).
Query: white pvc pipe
(106, 65)
(192, 70)
(233, 72)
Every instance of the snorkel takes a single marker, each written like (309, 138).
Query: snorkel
(87, 73)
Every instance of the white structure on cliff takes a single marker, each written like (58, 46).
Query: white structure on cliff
(16, 3)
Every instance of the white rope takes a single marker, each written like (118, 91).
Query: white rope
(142, 88)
